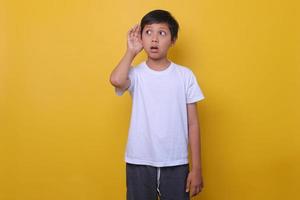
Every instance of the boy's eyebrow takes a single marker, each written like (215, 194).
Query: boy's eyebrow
(161, 27)
(166, 28)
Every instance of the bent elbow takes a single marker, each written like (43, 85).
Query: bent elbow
(115, 82)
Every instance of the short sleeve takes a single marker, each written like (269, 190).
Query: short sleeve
(194, 92)
(131, 76)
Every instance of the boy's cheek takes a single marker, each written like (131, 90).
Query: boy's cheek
(144, 44)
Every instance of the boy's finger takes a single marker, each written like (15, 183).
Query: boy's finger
(198, 189)
(139, 32)
(193, 191)
(134, 31)
(132, 28)
(188, 183)
(139, 28)
(135, 27)
(130, 32)
(187, 189)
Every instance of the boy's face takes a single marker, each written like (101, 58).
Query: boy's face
(156, 39)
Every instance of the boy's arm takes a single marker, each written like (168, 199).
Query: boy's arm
(119, 76)
(194, 181)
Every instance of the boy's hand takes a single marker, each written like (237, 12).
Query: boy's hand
(134, 40)
(194, 182)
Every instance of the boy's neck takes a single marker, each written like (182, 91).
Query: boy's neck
(158, 65)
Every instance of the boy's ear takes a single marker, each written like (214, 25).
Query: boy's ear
(173, 42)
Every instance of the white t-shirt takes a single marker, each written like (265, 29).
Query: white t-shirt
(158, 133)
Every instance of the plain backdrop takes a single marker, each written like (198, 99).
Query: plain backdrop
(63, 130)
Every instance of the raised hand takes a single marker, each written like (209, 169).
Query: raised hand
(134, 40)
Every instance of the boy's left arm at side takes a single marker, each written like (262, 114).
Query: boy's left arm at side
(194, 181)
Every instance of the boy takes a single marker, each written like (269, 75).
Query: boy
(164, 114)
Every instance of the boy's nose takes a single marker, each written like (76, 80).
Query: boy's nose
(154, 38)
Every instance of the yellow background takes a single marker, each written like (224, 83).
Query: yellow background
(63, 130)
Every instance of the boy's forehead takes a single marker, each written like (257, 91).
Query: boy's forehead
(157, 25)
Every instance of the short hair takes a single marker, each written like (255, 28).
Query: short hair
(161, 16)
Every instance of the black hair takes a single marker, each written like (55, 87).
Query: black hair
(161, 16)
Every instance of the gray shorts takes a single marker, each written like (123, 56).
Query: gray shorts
(148, 183)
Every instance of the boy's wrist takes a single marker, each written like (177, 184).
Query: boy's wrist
(196, 170)
(196, 166)
(131, 53)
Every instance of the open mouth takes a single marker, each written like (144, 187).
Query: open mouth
(154, 48)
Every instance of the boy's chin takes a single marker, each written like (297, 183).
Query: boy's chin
(156, 56)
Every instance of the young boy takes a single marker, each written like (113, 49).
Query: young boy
(164, 114)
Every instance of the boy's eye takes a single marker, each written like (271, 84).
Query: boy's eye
(163, 33)
(148, 32)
